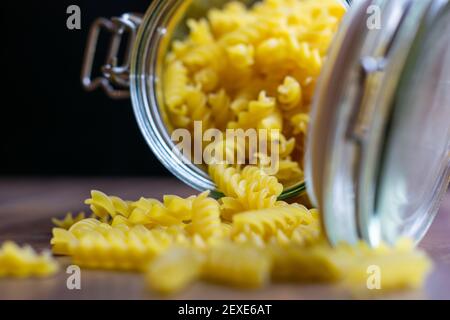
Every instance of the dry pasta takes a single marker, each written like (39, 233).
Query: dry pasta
(23, 262)
(268, 222)
(119, 249)
(205, 217)
(240, 265)
(283, 242)
(251, 68)
(174, 270)
(105, 206)
(401, 266)
(239, 68)
(68, 220)
(245, 190)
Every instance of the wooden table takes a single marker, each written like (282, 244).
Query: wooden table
(26, 206)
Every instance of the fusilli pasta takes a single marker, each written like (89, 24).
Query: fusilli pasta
(239, 265)
(23, 262)
(68, 220)
(174, 270)
(239, 68)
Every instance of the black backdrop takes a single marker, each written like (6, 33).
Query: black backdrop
(50, 125)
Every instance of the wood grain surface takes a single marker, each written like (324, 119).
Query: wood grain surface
(27, 205)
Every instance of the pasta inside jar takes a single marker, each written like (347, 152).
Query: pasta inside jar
(244, 77)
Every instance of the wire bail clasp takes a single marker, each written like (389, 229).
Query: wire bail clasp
(115, 78)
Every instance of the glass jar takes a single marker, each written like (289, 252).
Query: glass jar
(378, 149)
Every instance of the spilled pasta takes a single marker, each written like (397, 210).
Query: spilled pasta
(282, 243)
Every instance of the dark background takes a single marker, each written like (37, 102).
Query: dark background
(50, 125)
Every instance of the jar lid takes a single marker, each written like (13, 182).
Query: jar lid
(378, 151)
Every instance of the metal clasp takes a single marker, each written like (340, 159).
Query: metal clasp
(115, 80)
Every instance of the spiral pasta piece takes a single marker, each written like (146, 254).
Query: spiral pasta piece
(300, 123)
(68, 220)
(175, 84)
(205, 217)
(61, 240)
(118, 249)
(250, 189)
(100, 204)
(237, 265)
(289, 93)
(267, 222)
(228, 179)
(197, 106)
(258, 110)
(152, 212)
(220, 108)
(241, 56)
(24, 262)
(104, 206)
(180, 208)
(207, 79)
(310, 264)
(257, 180)
(174, 270)
(289, 172)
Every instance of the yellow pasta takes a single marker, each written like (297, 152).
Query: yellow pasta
(173, 210)
(117, 249)
(289, 93)
(61, 240)
(310, 264)
(228, 179)
(257, 180)
(268, 222)
(289, 172)
(205, 217)
(175, 83)
(238, 265)
(248, 189)
(152, 212)
(300, 123)
(174, 270)
(24, 262)
(250, 68)
(207, 78)
(241, 57)
(179, 207)
(220, 108)
(68, 220)
(105, 206)
(197, 106)
(400, 267)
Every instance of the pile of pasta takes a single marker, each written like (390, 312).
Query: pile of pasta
(178, 241)
(253, 68)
